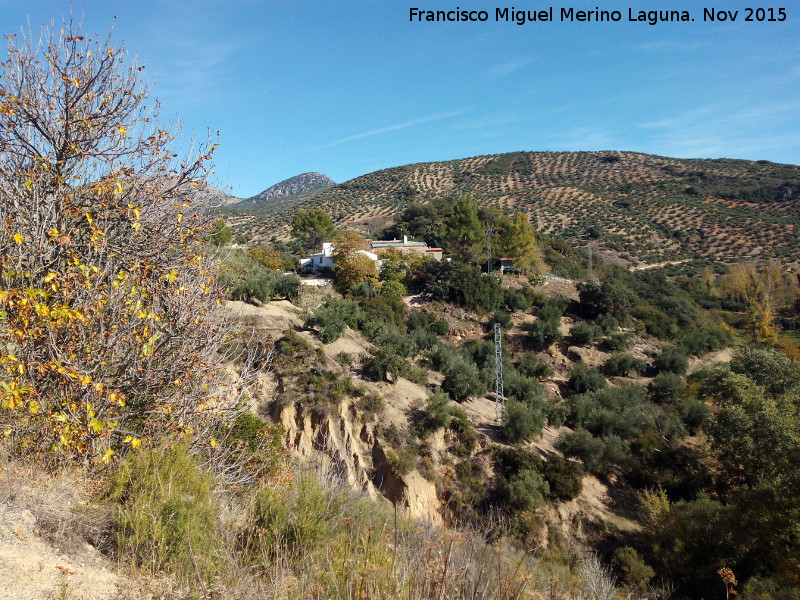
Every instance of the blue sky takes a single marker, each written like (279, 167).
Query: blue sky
(347, 87)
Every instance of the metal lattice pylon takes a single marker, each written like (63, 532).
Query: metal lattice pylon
(498, 372)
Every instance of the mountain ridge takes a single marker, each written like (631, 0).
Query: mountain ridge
(293, 186)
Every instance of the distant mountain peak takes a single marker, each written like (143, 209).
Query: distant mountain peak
(299, 184)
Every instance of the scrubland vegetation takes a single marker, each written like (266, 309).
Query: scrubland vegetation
(677, 392)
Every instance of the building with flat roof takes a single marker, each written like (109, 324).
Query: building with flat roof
(406, 246)
(323, 260)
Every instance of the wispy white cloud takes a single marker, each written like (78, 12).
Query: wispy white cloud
(509, 67)
(390, 128)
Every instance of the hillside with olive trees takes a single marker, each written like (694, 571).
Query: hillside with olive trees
(644, 208)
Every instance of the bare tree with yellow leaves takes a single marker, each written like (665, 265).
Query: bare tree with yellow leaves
(761, 288)
(110, 322)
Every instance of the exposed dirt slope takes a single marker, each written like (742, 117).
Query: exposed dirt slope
(44, 527)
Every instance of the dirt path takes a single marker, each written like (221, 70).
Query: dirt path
(661, 264)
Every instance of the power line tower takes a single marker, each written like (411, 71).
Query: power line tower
(498, 372)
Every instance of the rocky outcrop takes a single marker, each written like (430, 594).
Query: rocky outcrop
(342, 442)
(299, 184)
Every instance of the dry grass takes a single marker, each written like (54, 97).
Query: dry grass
(302, 534)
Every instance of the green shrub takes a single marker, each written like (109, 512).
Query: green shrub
(466, 438)
(694, 413)
(622, 364)
(557, 413)
(419, 320)
(462, 380)
(471, 491)
(553, 309)
(636, 573)
(291, 524)
(402, 461)
(260, 288)
(503, 318)
(372, 405)
(769, 368)
(287, 286)
(524, 491)
(522, 422)
(585, 334)
(293, 348)
(510, 461)
(390, 336)
(424, 339)
(515, 301)
(383, 362)
(345, 358)
(440, 327)
(586, 379)
(564, 477)
(345, 386)
(393, 289)
(166, 517)
(672, 359)
(418, 375)
(534, 298)
(611, 297)
(666, 388)
(524, 389)
(480, 352)
(617, 342)
(333, 317)
(701, 341)
(608, 323)
(530, 365)
(383, 309)
(656, 322)
(442, 354)
(544, 333)
(254, 445)
(599, 455)
(365, 289)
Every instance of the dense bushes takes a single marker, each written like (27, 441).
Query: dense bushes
(526, 480)
(531, 365)
(586, 379)
(585, 333)
(521, 421)
(461, 376)
(672, 359)
(246, 278)
(166, 518)
(440, 413)
(619, 427)
(701, 341)
(666, 387)
(547, 328)
(383, 364)
(623, 365)
(333, 317)
(460, 284)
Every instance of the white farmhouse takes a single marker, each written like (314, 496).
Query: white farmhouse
(324, 260)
